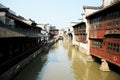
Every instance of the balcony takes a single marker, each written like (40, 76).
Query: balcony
(107, 32)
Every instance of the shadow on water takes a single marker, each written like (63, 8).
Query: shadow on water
(31, 70)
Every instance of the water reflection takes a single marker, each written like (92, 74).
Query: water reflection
(58, 66)
(84, 70)
(64, 62)
(32, 70)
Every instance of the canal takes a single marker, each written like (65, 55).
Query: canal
(63, 62)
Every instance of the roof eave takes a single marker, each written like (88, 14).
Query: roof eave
(103, 9)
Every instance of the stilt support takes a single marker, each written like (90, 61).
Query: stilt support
(104, 66)
(89, 58)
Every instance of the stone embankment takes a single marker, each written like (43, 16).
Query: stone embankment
(16, 68)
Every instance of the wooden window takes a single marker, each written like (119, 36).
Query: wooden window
(113, 47)
(107, 17)
(110, 23)
(116, 23)
(119, 23)
(97, 44)
(117, 13)
(118, 48)
(96, 23)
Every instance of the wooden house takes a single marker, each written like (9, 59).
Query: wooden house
(104, 33)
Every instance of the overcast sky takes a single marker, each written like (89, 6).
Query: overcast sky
(58, 13)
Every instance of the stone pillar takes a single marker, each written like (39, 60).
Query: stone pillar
(89, 58)
(104, 66)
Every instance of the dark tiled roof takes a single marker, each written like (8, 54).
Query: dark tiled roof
(79, 24)
(4, 9)
(91, 7)
(103, 9)
(16, 32)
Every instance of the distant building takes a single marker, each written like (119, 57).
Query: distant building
(80, 35)
(54, 31)
(61, 32)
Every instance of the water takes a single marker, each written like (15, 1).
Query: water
(64, 62)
